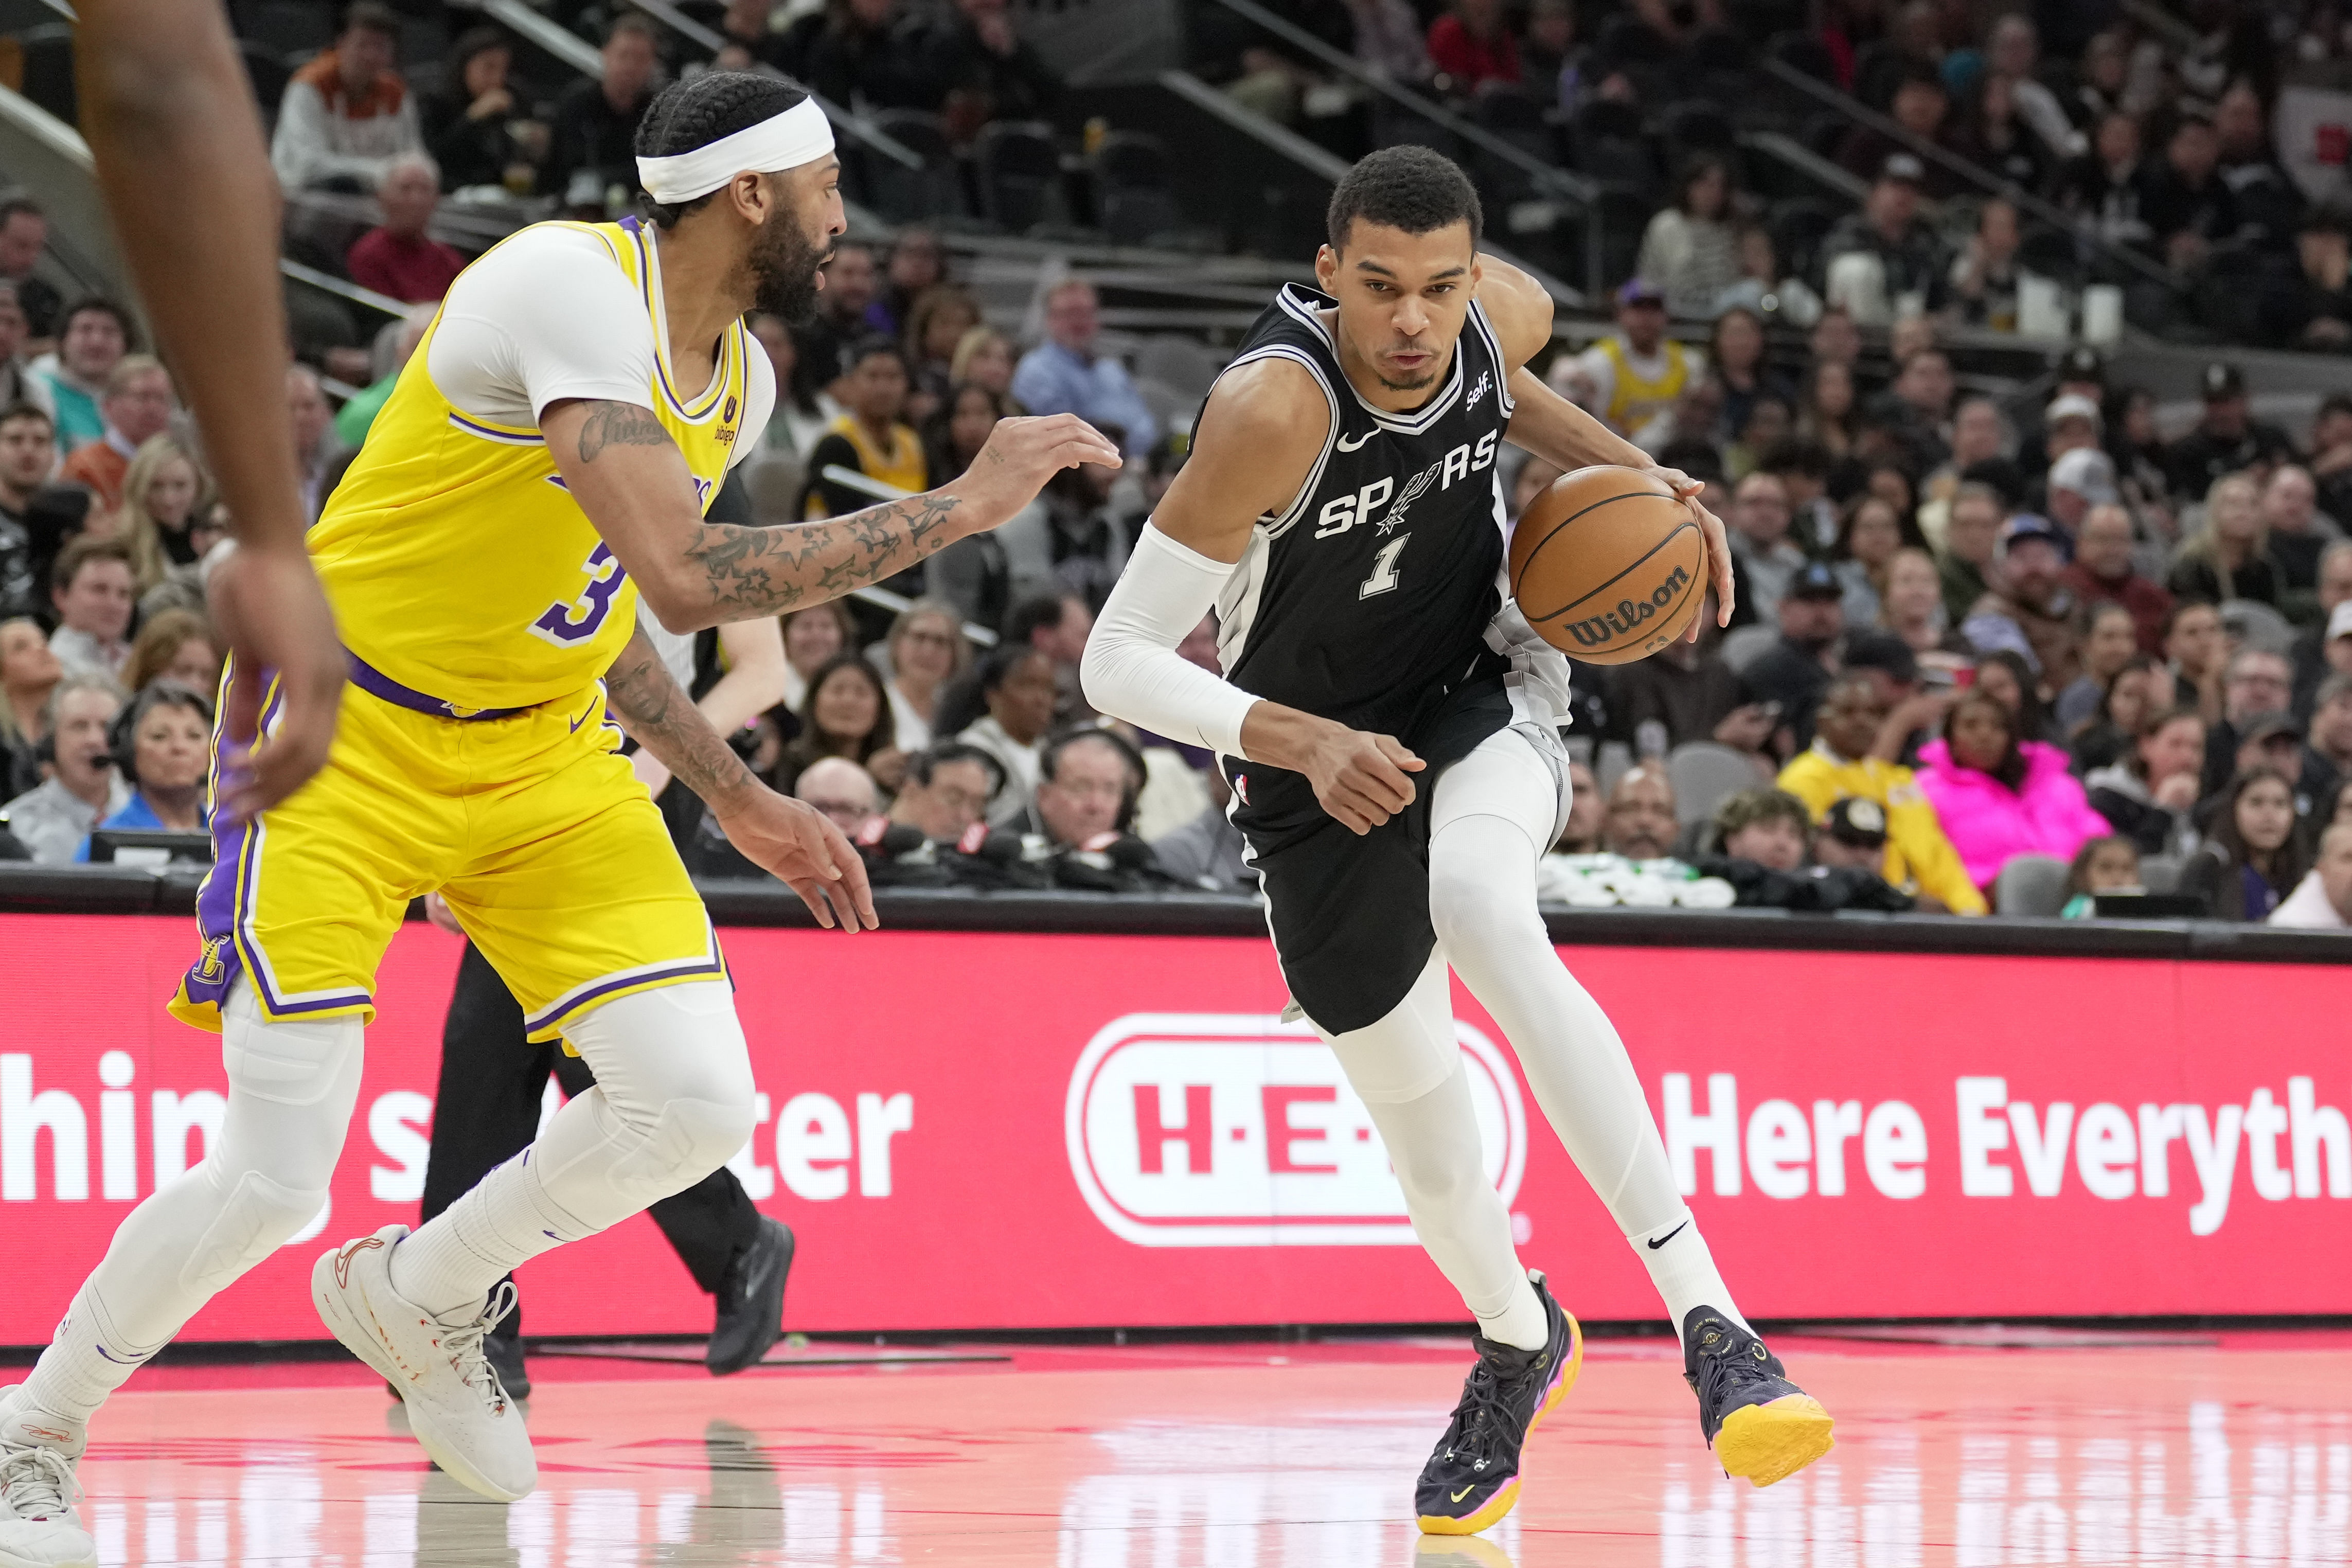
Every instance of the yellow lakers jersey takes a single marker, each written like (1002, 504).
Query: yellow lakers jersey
(458, 563)
(1633, 402)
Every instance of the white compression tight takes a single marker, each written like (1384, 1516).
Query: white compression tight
(673, 1102)
(1491, 819)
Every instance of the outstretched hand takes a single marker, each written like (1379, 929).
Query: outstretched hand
(1022, 454)
(801, 847)
(274, 616)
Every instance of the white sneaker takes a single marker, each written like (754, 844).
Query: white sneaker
(40, 1527)
(457, 1407)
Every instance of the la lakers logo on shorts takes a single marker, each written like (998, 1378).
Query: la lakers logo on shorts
(208, 965)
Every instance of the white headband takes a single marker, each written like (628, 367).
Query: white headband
(801, 134)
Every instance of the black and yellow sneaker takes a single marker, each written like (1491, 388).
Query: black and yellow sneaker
(1759, 1425)
(1471, 1479)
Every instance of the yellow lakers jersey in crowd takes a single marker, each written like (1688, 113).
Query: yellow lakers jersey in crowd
(458, 563)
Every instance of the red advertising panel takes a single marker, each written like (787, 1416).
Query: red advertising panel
(976, 1130)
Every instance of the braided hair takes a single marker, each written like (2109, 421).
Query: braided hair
(696, 112)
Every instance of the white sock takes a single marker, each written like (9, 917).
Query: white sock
(1683, 1269)
(86, 1362)
(1519, 1325)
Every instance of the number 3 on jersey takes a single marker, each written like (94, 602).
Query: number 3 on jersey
(564, 624)
(1384, 568)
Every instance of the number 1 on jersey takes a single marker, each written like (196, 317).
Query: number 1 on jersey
(1384, 568)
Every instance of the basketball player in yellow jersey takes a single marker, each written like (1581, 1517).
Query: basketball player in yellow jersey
(541, 466)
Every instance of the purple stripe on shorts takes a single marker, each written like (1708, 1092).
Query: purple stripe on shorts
(714, 968)
(376, 683)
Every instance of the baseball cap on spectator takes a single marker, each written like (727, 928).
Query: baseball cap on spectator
(2339, 621)
(2087, 472)
(2028, 525)
(2269, 726)
(1884, 652)
(1857, 823)
(1815, 581)
(2221, 383)
(1640, 292)
(2082, 363)
(2073, 405)
(1905, 167)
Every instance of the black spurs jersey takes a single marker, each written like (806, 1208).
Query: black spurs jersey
(1366, 600)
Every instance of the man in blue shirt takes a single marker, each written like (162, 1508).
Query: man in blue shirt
(1063, 375)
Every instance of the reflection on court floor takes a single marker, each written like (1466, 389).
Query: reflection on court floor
(1258, 1457)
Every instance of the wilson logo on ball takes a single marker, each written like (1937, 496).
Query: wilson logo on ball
(1628, 616)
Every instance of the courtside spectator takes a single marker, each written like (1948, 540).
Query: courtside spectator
(1972, 540)
(2252, 856)
(1869, 533)
(1768, 559)
(1795, 670)
(1066, 375)
(2080, 478)
(2142, 689)
(2323, 899)
(1840, 765)
(927, 650)
(871, 437)
(35, 517)
(977, 68)
(841, 791)
(1640, 822)
(1852, 837)
(1581, 833)
(2255, 683)
(946, 791)
(1768, 826)
(168, 733)
(1997, 797)
(24, 235)
(2151, 795)
(1085, 782)
(164, 498)
(347, 113)
(2229, 558)
(28, 673)
(2027, 610)
(845, 714)
(176, 645)
(1057, 624)
(398, 257)
(1631, 379)
(82, 786)
(592, 136)
(2227, 439)
(2105, 641)
(91, 337)
(812, 638)
(2008, 679)
(1016, 682)
(468, 124)
(2102, 569)
(136, 408)
(2298, 534)
(2108, 865)
(1912, 611)
(2274, 741)
(18, 382)
(93, 589)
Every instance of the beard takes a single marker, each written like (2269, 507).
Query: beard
(784, 267)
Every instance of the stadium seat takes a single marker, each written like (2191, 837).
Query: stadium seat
(1798, 227)
(1623, 212)
(901, 194)
(774, 480)
(1743, 645)
(2255, 625)
(2160, 873)
(2031, 885)
(1699, 127)
(1133, 200)
(1517, 119)
(1704, 775)
(1183, 362)
(1019, 171)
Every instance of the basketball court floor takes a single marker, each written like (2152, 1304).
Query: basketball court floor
(2021, 1449)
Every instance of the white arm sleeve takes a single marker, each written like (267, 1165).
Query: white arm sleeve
(1131, 669)
(546, 315)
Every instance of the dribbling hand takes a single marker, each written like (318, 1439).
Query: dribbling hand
(801, 847)
(1022, 454)
(1718, 544)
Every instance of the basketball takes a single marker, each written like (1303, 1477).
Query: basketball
(1608, 565)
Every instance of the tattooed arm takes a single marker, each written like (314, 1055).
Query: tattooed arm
(794, 841)
(632, 481)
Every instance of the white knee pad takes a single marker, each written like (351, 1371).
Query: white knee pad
(285, 1062)
(674, 1077)
(259, 1216)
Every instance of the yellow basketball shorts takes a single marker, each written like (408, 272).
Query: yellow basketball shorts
(528, 822)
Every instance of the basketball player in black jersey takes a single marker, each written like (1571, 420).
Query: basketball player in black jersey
(1390, 726)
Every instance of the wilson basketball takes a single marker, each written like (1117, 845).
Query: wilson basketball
(1608, 565)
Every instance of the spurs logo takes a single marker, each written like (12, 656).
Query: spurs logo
(343, 1260)
(1412, 491)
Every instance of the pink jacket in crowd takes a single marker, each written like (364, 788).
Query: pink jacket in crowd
(1989, 824)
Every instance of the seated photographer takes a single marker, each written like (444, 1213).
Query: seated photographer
(1764, 835)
